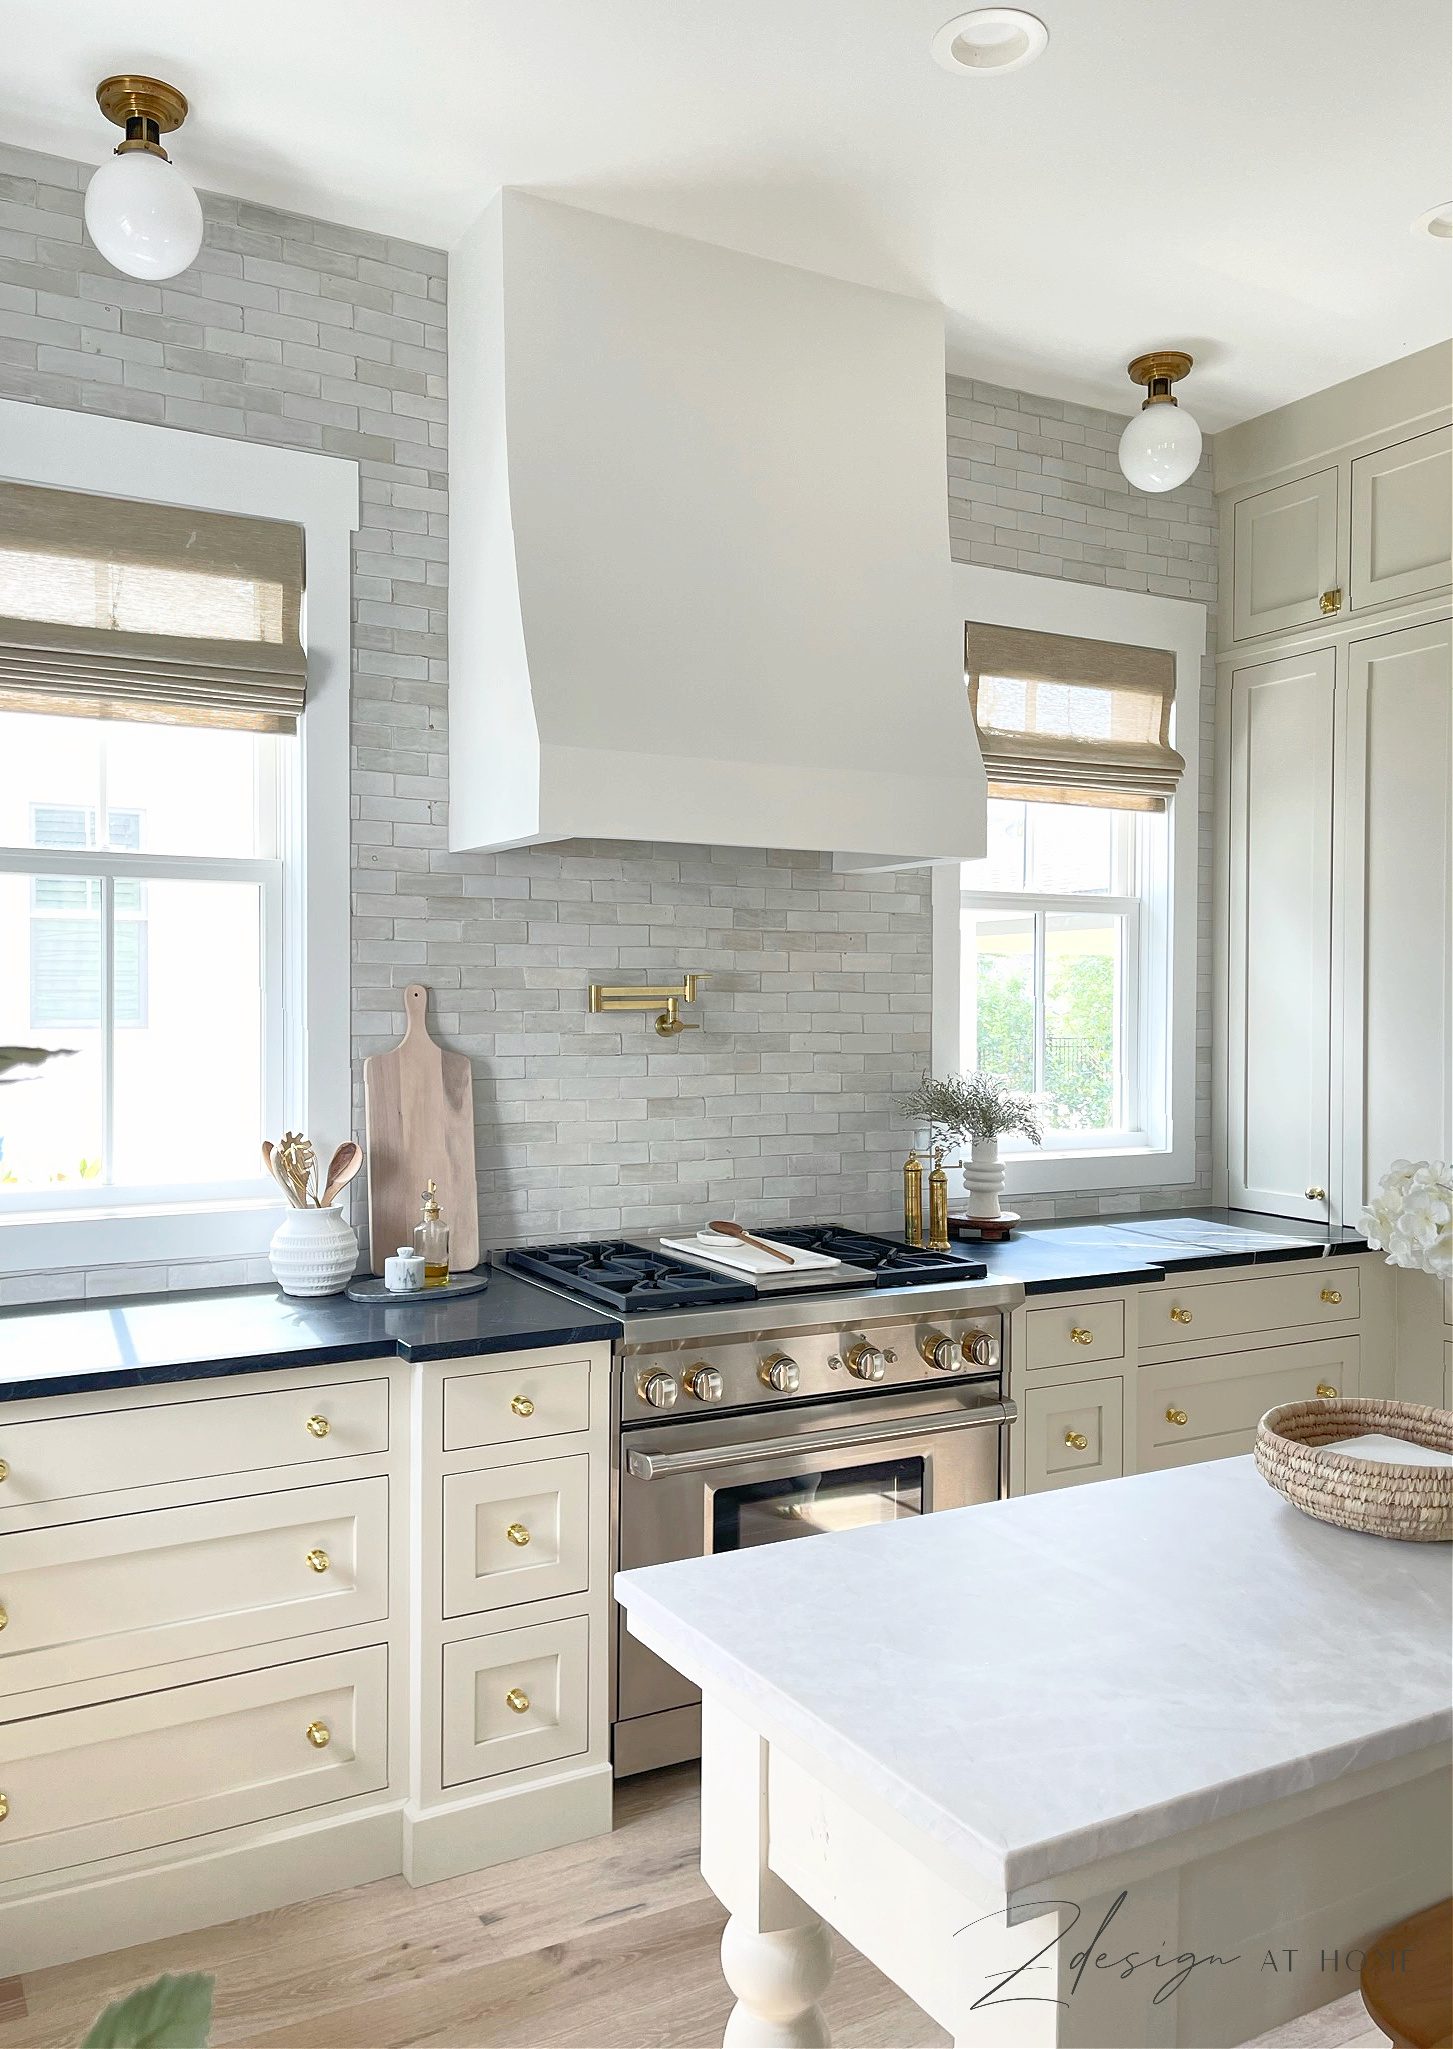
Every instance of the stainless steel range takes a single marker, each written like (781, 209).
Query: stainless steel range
(760, 1410)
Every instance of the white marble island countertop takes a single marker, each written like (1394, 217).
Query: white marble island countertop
(1045, 1682)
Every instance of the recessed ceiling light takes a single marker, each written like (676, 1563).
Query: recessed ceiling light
(1437, 222)
(991, 39)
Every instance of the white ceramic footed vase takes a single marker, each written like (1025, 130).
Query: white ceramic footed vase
(984, 1178)
(313, 1252)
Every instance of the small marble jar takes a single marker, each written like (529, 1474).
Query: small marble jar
(404, 1273)
(313, 1252)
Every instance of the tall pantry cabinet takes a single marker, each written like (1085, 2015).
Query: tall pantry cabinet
(1335, 802)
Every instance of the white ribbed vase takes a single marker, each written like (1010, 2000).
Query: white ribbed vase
(984, 1178)
(313, 1252)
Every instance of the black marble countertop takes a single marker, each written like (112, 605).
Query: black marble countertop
(138, 1340)
(1141, 1247)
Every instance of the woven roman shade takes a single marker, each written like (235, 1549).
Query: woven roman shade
(116, 608)
(1068, 721)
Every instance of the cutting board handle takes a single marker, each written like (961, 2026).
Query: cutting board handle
(416, 1008)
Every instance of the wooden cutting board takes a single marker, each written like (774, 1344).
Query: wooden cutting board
(418, 1104)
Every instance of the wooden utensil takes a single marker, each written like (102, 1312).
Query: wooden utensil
(274, 1167)
(344, 1164)
(419, 1104)
(299, 1163)
(736, 1231)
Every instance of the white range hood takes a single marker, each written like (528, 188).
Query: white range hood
(699, 562)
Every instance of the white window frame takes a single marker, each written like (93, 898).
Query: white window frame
(1165, 1152)
(70, 451)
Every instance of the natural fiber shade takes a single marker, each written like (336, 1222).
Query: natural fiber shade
(114, 608)
(1064, 720)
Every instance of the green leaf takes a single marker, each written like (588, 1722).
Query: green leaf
(170, 2013)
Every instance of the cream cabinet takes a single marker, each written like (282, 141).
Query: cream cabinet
(1402, 519)
(1279, 904)
(1210, 1407)
(1285, 555)
(1073, 1431)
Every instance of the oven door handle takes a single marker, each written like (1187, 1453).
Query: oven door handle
(659, 1465)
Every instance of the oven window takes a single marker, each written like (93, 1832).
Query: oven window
(771, 1511)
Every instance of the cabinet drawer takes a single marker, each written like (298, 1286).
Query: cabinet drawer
(1402, 533)
(516, 1699)
(1073, 1433)
(1073, 1335)
(129, 1774)
(106, 1450)
(520, 1533)
(132, 1591)
(1211, 1409)
(516, 1403)
(1219, 1309)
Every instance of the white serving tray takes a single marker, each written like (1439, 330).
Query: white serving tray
(746, 1259)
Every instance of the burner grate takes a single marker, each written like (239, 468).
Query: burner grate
(892, 1264)
(626, 1277)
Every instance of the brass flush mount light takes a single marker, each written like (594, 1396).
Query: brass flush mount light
(142, 214)
(1161, 445)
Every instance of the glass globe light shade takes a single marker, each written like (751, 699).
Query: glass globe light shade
(1160, 447)
(143, 216)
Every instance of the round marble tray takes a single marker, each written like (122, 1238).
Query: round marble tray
(364, 1288)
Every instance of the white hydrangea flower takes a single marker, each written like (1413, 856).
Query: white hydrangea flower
(1411, 1217)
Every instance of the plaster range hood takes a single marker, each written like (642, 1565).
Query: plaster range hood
(699, 563)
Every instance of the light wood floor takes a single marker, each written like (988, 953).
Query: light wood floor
(610, 1944)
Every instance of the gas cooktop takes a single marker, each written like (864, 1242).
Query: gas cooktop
(637, 1279)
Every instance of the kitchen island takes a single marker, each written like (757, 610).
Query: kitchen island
(1131, 1764)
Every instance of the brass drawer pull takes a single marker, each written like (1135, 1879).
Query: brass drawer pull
(4, 1618)
(1180, 1316)
(319, 1560)
(1081, 1337)
(319, 1735)
(1325, 1391)
(522, 1405)
(1176, 1416)
(4, 1470)
(1077, 1440)
(1331, 1294)
(518, 1534)
(519, 1702)
(318, 1426)
(4, 1806)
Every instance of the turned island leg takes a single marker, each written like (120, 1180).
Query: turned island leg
(776, 1954)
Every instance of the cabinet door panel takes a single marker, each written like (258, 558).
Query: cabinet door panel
(1072, 1434)
(1278, 1079)
(1284, 550)
(516, 1699)
(1402, 519)
(1399, 1030)
(516, 1533)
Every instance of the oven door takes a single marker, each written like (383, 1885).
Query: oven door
(689, 1489)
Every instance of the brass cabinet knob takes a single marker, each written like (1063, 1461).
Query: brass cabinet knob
(1325, 1391)
(518, 1534)
(1330, 601)
(318, 1426)
(1081, 1337)
(4, 1806)
(519, 1702)
(522, 1405)
(1331, 1294)
(1176, 1416)
(319, 1560)
(1315, 1194)
(319, 1735)
(1180, 1316)
(4, 1618)
(1077, 1440)
(4, 1470)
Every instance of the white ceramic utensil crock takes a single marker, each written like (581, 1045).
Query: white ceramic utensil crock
(313, 1252)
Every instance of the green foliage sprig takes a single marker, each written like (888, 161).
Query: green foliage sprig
(969, 1108)
(170, 2013)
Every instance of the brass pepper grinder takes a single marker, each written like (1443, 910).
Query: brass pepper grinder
(938, 1205)
(913, 1200)
(431, 1241)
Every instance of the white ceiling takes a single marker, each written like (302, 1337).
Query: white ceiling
(1235, 177)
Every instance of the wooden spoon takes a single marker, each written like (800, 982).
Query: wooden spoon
(736, 1231)
(275, 1168)
(344, 1164)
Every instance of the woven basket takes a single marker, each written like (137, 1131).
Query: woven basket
(1412, 1502)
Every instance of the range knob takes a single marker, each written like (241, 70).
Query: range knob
(780, 1374)
(659, 1389)
(704, 1382)
(941, 1352)
(980, 1350)
(865, 1361)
